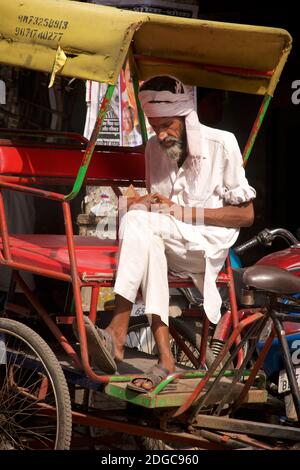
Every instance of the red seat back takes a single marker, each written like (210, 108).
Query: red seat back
(109, 163)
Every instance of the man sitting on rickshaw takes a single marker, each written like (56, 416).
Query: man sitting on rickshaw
(198, 198)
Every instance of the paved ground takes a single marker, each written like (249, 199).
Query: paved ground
(107, 440)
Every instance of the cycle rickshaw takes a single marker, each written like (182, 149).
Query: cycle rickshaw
(39, 390)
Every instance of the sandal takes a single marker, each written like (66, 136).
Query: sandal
(155, 375)
(100, 346)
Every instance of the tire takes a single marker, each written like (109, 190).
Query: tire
(190, 329)
(31, 382)
(140, 337)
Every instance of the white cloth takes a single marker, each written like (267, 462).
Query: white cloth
(219, 179)
(150, 244)
(166, 104)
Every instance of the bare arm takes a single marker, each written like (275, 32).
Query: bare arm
(228, 216)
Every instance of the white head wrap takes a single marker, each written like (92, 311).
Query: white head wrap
(168, 104)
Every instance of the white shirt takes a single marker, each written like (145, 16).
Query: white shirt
(212, 179)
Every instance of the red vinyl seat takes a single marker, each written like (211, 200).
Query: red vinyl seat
(95, 258)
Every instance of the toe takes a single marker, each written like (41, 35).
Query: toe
(147, 384)
(143, 383)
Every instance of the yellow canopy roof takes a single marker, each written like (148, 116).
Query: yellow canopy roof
(91, 42)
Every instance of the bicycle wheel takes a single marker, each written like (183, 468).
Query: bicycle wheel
(35, 408)
(190, 330)
(140, 337)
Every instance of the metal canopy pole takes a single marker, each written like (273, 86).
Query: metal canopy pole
(91, 143)
(135, 81)
(255, 128)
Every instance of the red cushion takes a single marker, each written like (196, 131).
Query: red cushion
(95, 257)
(51, 252)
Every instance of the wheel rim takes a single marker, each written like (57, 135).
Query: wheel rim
(140, 337)
(28, 399)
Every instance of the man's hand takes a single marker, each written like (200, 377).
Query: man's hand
(160, 199)
(164, 205)
(141, 202)
(153, 202)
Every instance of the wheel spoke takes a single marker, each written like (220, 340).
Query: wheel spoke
(31, 381)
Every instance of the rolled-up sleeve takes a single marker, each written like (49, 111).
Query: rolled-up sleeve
(236, 189)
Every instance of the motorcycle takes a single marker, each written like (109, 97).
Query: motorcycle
(273, 366)
(289, 260)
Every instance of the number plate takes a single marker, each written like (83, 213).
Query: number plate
(283, 382)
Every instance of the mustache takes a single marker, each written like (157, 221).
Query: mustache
(170, 139)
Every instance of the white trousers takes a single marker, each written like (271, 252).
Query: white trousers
(150, 245)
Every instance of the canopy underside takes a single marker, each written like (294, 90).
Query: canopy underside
(95, 41)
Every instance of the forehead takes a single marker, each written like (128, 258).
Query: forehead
(163, 121)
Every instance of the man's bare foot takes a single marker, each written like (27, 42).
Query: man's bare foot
(168, 365)
(151, 379)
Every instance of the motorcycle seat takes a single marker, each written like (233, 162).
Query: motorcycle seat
(271, 279)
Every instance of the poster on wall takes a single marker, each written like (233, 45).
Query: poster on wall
(131, 132)
(121, 125)
(111, 129)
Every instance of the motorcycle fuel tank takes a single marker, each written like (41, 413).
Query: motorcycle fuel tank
(288, 259)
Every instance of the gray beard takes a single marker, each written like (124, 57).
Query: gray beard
(175, 152)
